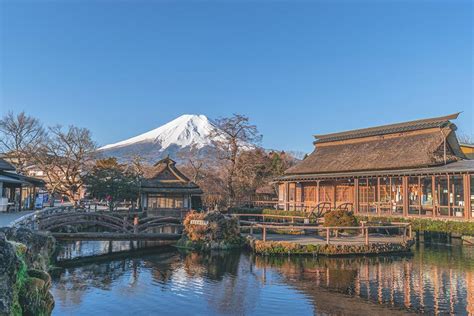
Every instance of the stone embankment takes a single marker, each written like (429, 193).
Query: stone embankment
(24, 282)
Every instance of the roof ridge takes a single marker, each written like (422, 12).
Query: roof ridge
(387, 129)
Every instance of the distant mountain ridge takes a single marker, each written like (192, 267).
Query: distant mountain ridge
(185, 134)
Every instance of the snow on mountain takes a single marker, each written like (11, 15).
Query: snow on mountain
(181, 134)
(186, 130)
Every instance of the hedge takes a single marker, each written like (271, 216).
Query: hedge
(289, 248)
(267, 211)
(428, 225)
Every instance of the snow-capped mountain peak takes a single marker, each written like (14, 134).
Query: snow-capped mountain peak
(185, 131)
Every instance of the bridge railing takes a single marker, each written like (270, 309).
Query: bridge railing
(30, 220)
(404, 229)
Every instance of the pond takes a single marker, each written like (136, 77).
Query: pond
(438, 278)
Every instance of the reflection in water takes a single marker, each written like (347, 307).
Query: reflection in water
(436, 279)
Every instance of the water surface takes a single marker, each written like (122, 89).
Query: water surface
(437, 279)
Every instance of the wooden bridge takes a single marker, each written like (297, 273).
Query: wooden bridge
(73, 224)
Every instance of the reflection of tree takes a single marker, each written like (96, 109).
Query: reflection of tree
(212, 265)
(235, 289)
(71, 285)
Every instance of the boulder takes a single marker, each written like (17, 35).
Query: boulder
(9, 267)
(40, 246)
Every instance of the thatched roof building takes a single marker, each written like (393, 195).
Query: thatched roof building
(401, 154)
(165, 188)
(406, 145)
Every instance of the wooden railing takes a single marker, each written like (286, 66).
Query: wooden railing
(406, 229)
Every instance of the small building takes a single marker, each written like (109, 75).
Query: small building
(168, 192)
(410, 169)
(17, 192)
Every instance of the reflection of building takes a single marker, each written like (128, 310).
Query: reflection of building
(166, 191)
(17, 192)
(408, 169)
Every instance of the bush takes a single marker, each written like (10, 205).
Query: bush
(429, 225)
(219, 228)
(340, 218)
(268, 211)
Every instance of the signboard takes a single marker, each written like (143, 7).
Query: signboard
(199, 222)
(39, 201)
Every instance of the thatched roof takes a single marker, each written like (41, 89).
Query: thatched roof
(406, 145)
(166, 178)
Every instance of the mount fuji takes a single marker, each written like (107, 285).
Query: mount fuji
(182, 135)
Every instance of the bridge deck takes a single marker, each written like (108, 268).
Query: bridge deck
(169, 238)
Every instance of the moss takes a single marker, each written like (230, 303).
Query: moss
(31, 289)
(21, 278)
(429, 225)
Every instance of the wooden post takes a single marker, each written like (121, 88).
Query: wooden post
(124, 223)
(287, 196)
(135, 224)
(251, 229)
(410, 233)
(467, 196)
(404, 233)
(367, 236)
(356, 196)
(264, 235)
(379, 211)
(337, 232)
(327, 236)
(405, 195)
(363, 229)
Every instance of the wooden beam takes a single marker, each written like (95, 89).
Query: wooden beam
(467, 196)
(356, 196)
(405, 195)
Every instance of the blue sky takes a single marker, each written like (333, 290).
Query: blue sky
(295, 68)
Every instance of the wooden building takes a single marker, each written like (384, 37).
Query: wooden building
(168, 192)
(17, 192)
(413, 168)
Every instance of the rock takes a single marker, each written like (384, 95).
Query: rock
(24, 282)
(9, 267)
(40, 245)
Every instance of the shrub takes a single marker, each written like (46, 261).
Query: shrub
(429, 225)
(340, 218)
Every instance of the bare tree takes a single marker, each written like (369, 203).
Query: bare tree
(466, 138)
(234, 135)
(64, 159)
(21, 136)
(195, 164)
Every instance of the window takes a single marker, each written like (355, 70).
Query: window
(309, 192)
(326, 193)
(472, 196)
(386, 201)
(427, 195)
(344, 194)
(158, 201)
(367, 195)
(442, 193)
(397, 195)
(456, 195)
(414, 196)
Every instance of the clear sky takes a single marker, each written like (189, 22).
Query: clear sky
(295, 68)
